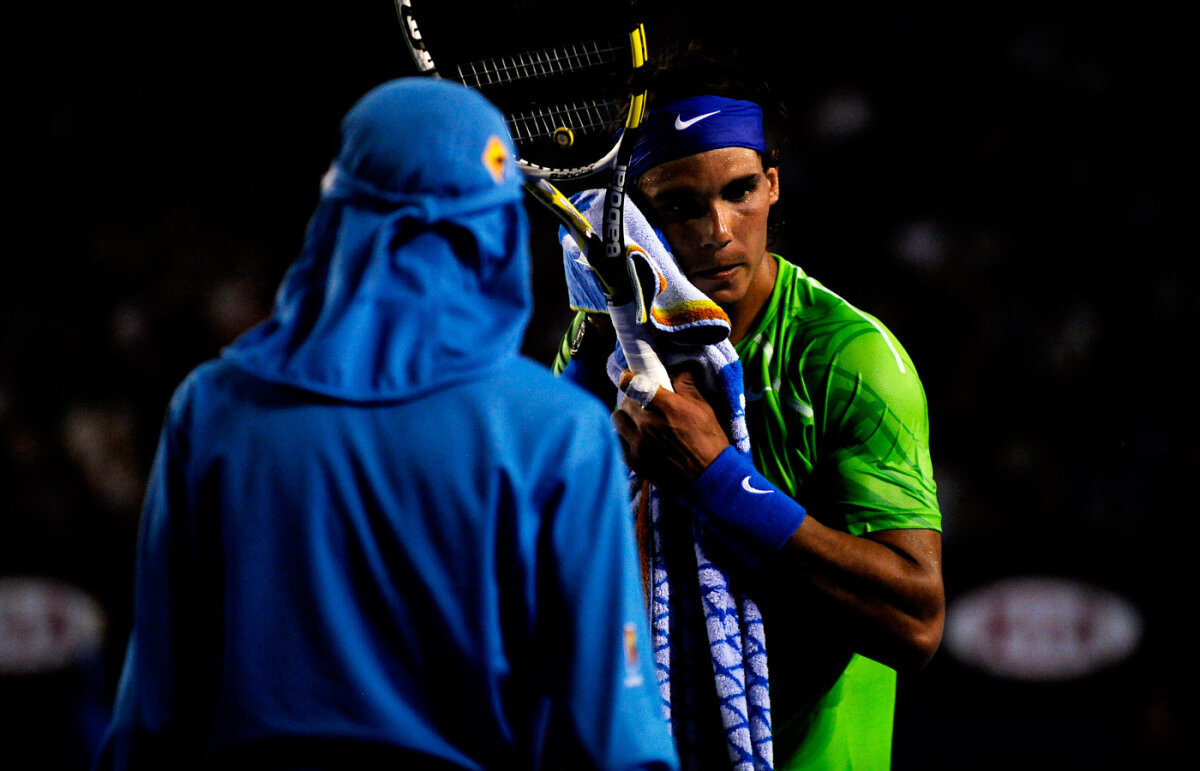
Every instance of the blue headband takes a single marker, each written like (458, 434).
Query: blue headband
(695, 125)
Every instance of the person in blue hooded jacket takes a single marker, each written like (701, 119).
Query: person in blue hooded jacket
(374, 533)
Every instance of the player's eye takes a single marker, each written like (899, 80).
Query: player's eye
(740, 189)
(680, 208)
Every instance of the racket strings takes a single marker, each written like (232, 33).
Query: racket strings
(583, 117)
(544, 63)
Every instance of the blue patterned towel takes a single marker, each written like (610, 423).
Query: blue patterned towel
(690, 327)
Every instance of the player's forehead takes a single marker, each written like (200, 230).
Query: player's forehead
(706, 173)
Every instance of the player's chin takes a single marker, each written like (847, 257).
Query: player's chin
(723, 293)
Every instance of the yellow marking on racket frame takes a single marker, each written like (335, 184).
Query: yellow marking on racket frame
(637, 105)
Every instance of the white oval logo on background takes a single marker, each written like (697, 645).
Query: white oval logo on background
(1035, 628)
(46, 624)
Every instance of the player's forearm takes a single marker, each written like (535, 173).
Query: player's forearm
(888, 585)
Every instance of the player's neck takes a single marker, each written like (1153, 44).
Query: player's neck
(745, 312)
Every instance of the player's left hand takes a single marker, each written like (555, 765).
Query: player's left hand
(673, 439)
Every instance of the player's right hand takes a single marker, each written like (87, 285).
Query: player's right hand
(673, 439)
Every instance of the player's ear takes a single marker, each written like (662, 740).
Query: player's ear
(772, 175)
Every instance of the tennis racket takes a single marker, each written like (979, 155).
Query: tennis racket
(571, 98)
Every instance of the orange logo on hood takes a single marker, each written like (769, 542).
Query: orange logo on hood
(494, 157)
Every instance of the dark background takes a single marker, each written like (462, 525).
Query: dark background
(1005, 185)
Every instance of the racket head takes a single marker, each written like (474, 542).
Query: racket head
(565, 89)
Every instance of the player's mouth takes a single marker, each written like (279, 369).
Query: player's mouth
(716, 274)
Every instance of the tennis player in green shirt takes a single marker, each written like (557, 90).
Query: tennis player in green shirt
(838, 425)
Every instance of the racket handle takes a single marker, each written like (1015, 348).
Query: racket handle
(637, 344)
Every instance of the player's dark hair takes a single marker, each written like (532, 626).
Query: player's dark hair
(705, 66)
(714, 67)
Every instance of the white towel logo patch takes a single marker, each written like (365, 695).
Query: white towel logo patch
(752, 489)
(681, 124)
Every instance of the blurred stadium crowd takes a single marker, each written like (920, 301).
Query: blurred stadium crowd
(1010, 187)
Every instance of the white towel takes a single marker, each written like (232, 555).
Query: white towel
(690, 327)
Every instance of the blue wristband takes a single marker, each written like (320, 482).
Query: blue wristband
(746, 511)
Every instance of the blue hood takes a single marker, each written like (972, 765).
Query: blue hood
(415, 269)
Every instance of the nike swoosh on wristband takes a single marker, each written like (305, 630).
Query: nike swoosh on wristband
(751, 489)
(681, 124)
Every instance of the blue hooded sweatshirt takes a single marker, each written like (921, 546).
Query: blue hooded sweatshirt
(374, 534)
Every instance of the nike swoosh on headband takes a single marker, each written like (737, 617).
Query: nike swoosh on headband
(751, 489)
(681, 124)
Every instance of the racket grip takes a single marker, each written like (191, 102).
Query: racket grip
(637, 344)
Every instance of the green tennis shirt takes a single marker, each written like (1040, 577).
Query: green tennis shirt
(837, 415)
(838, 420)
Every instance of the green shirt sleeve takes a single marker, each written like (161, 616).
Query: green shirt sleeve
(878, 474)
(562, 357)
(836, 411)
